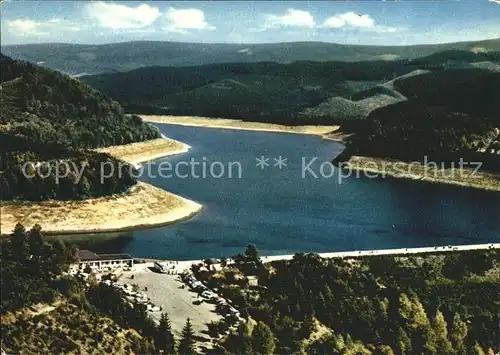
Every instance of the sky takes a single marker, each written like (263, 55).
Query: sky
(376, 22)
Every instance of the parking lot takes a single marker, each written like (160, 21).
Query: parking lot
(173, 296)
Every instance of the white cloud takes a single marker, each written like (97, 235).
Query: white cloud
(388, 29)
(181, 20)
(351, 19)
(23, 27)
(27, 27)
(117, 16)
(495, 1)
(292, 18)
(303, 19)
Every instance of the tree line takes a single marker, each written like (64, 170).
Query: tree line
(72, 175)
(419, 304)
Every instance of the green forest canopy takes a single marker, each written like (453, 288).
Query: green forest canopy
(442, 303)
(48, 117)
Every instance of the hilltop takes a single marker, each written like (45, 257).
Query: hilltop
(78, 59)
(44, 106)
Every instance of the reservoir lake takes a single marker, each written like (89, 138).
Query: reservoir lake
(295, 208)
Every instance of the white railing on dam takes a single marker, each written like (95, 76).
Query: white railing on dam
(181, 265)
(400, 251)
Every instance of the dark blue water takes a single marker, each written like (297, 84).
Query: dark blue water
(282, 212)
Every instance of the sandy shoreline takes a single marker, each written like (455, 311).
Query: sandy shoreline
(136, 153)
(225, 123)
(412, 171)
(143, 206)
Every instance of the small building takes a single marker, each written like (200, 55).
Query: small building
(98, 262)
(253, 281)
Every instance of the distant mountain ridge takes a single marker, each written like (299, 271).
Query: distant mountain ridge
(75, 59)
(302, 92)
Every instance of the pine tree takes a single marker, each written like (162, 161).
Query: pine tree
(143, 346)
(263, 339)
(348, 340)
(440, 327)
(252, 254)
(165, 339)
(243, 339)
(384, 350)
(477, 350)
(35, 240)
(19, 244)
(405, 308)
(419, 316)
(187, 343)
(420, 330)
(308, 325)
(403, 342)
(85, 188)
(338, 343)
(458, 334)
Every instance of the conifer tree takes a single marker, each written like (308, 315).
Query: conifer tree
(165, 339)
(458, 334)
(403, 342)
(263, 339)
(440, 327)
(187, 343)
(384, 350)
(477, 350)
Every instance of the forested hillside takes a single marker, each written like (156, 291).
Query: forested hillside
(46, 119)
(303, 92)
(444, 106)
(76, 316)
(92, 59)
(443, 303)
(380, 305)
(447, 116)
(45, 106)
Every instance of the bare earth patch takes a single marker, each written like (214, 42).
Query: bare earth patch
(169, 292)
(177, 301)
(142, 206)
(238, 124)
(135, 153)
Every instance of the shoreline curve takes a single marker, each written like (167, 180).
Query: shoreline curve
(467, 178)
(143, 206)
(225, 123)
